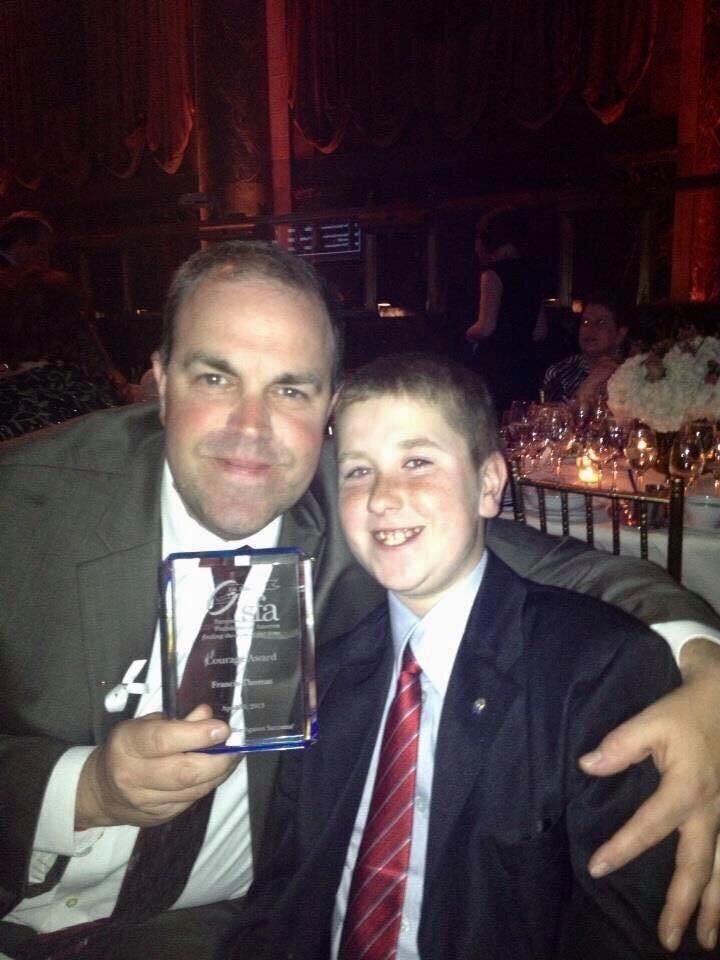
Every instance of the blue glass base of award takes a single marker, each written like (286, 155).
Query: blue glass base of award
(253, 655)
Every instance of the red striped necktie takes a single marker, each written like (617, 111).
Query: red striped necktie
(377, 890)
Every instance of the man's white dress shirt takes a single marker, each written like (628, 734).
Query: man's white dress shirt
(91, 882)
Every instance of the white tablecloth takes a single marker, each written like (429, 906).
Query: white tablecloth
(701, 548)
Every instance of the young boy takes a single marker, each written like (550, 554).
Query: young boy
(442, 814)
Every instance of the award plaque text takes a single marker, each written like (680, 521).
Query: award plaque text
(252, 656)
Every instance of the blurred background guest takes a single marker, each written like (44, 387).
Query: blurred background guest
(51, 366)
(601, 337)
(25, 240)
(510, 319)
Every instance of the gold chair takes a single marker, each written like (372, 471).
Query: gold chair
(637, 505)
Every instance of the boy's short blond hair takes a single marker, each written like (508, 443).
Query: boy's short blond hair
(461, 393)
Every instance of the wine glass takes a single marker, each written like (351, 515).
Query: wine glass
(515, 440)
(518, 412)
(641, 452)
(713, 460)
(705, 430)
(535, 433)
(582, 415)
(687, 456)
(558, 433)
(601, 445)
(617, 431)
(522, 445)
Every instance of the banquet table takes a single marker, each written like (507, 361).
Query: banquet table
(701, 546)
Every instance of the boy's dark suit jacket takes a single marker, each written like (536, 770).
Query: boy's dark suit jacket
(513, 820)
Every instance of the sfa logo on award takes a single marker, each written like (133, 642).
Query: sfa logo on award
(255, 646)
(253, 610)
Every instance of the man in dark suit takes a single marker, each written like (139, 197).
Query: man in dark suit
(246, 382)
(459, 823)
(87, 512)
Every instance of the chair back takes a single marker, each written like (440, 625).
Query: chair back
(636, 505)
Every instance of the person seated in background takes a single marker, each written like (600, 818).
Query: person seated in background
(25, 241)
(51, 370)
(601, 337)
(443, 813)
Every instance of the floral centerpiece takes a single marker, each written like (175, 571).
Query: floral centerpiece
(674, 382)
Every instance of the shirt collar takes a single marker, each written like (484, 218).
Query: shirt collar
(436, 636)
(182, 533)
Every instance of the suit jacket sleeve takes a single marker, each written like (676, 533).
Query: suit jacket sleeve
(79, 529)
(621, 911)
(636, 586)
(265, 914)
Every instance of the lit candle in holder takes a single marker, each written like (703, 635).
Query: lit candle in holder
(587, 471)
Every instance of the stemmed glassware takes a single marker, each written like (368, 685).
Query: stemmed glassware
(582, 415)
(518, 412)
(517, 432)
(617, 431)
(705, 431)
(602, 446)
(516, 440)
(558, 433)
(687, 456)
(641, 452)
(713, 460)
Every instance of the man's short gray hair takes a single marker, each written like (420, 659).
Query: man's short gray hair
(234, 260)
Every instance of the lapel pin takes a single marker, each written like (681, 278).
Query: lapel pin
(479, 705)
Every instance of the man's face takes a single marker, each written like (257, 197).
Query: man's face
(599, 334)
(412, 501)
(245, 398)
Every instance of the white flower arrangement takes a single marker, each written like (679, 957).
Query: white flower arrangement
(669, 385)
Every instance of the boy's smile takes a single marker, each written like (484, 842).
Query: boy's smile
(394, 538)
(412, 502)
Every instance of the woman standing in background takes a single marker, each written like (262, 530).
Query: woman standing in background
(510, 317)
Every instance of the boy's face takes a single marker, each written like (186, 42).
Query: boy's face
(412, 503)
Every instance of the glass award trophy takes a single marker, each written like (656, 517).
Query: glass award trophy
(253, 655)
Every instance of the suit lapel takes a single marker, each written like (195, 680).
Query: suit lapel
(352, 682)
(119, 589)
(302, 527)
(479, 698)
(353, 689)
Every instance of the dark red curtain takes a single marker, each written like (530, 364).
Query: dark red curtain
(368, 65)
(621, 42)
(40, 76)
(98, 82)
(350, 63)
(545, 57)
(139, 92)
(169, 90)
(319, 92)
(92, 82)
(373, 66)
(467, 56)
